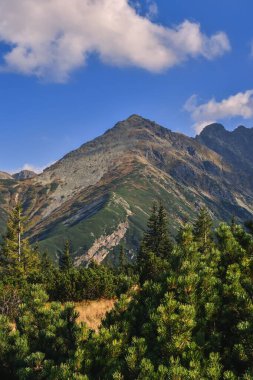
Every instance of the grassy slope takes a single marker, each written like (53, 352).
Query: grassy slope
(135, 193)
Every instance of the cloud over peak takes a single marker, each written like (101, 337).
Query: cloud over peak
(51, 38)
(238, 105)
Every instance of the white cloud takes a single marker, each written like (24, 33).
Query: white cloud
(51, 38)
(33, 168)
(239, 105)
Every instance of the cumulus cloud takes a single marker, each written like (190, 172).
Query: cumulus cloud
(51, 38)
(239, 105)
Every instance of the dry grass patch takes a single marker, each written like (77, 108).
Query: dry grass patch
(93, 312)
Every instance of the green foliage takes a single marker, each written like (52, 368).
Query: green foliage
(203, 229)
(94, 282)
(193, 322)
(156, 246)
(249, 226)
(18, 260)
(65, 262)
(157, 238)
(191, 317)
(122, 259)
(10, 299)
(44, 341)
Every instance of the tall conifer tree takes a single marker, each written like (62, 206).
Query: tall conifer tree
(157, 239)
(203, 229)
(18, 260)
(156, 246)
(65, 262)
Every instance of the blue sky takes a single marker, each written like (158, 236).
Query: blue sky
(65, 79)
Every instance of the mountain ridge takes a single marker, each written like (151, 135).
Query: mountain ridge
(99, 195)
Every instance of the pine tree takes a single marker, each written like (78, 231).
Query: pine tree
(203, 229)
(165, 244)
(65, 262)
(45, 262)
(156, 246)
(47, 271)
(236, 313)
(18, 260)
(122, 259)
(150, 240)
(157, 239)
(233, 224)
(249, 226)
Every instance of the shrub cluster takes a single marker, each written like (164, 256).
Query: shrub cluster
(190, 317)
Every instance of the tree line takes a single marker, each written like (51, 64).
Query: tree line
(22, 265)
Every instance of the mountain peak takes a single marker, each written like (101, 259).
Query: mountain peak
(213, 129)
(242, 129)
(135, 117)
(132, 122)
(100, 194)
(24, 174)
(136, 120)
(216, 129)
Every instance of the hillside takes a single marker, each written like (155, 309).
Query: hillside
(99, 196)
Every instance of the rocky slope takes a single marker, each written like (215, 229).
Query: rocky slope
(24, 174)
(235, 147)
(100, 195)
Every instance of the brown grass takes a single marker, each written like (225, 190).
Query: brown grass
(93, 312)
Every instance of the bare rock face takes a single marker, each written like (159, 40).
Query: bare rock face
(24, 174)
(99, 196)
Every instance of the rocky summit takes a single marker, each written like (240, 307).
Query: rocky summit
(99, 196)
(24, 174)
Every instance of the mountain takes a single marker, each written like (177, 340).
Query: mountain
(4, 175)
(24, 174)
(99, 196)
(235, 147)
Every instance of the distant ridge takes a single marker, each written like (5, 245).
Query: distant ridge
(235, 146)
(4, 175)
